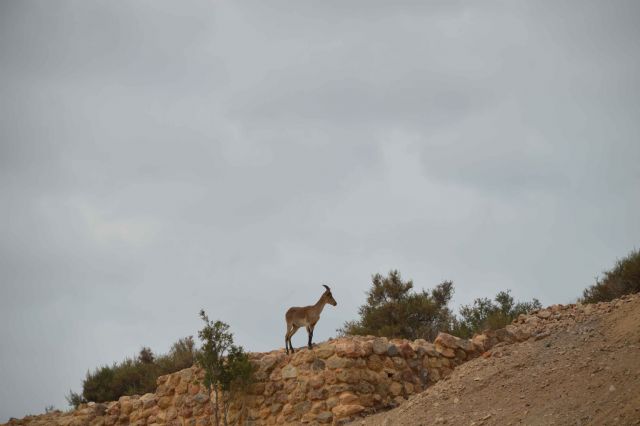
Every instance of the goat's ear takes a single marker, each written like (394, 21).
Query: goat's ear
(327, 287)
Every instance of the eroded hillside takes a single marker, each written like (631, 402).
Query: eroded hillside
(585, 372)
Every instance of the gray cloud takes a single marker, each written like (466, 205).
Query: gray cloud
(159, 158)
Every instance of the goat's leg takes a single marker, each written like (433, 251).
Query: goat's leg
(286, 342)
(310, 332)
(287, 338)
(293, 330)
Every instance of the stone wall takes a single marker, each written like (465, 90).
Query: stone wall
(337, 381)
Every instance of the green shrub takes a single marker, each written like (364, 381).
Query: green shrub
(134, 376)
(182, 354)
(75, 399)
(98, 386)
(485, 314)
(393, 309)
(623, 278)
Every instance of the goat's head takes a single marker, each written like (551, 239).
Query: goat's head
(328, 297)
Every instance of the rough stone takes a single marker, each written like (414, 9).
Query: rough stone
(395, 388)
(505, 335)
(399, 363)
(164, 402)
(374, 362)
(392, 350)
(347, 410)
(520, 333)
(201, 398)
(347, 398)
(349, 349)
(289, 372)
(337, 362)
(324, 417)
(445, 351)
(481, 342)
(302, 407)
(452, 342)
(406, 350)
(544, 314)
(348, 375)
(318, 365)
(148, 400)
(268, 362)
(380, 345)
(318, 394)
(324, 351)
(446, 340)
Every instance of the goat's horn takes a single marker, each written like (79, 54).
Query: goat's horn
(327, 287)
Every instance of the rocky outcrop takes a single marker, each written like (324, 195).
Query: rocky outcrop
(333, 383)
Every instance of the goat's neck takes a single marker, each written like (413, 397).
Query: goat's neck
(319, 306)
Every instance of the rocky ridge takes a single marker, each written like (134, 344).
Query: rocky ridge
(336, 382)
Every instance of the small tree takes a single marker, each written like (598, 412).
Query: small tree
(75, 399)
(227, 368)
(393, 309)
(146, 355)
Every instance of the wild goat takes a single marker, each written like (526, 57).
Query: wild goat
(306, 316)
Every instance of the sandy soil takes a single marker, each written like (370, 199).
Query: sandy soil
(586, 372)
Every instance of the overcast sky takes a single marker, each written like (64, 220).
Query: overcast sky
(161, 157)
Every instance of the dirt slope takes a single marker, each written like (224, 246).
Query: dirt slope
(585, 372)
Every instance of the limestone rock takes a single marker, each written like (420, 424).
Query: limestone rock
(520, 333)
(349, 349)
(446, 340)
(289, 372)
(347, 410)
(324, 417)
(544, 314)
(325, 350)
(445, 351)
(481, 341)
(380, 345)
(337, 362)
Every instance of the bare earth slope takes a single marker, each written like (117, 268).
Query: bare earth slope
(586, 372)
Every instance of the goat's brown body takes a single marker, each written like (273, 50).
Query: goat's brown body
(302, 316)
(305, 316)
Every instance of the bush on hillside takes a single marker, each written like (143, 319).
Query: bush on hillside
(487, 314)
(134, 376)
(623, 278)
(74, 399)
(394, 309)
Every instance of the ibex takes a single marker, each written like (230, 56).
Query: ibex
(306, 316)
